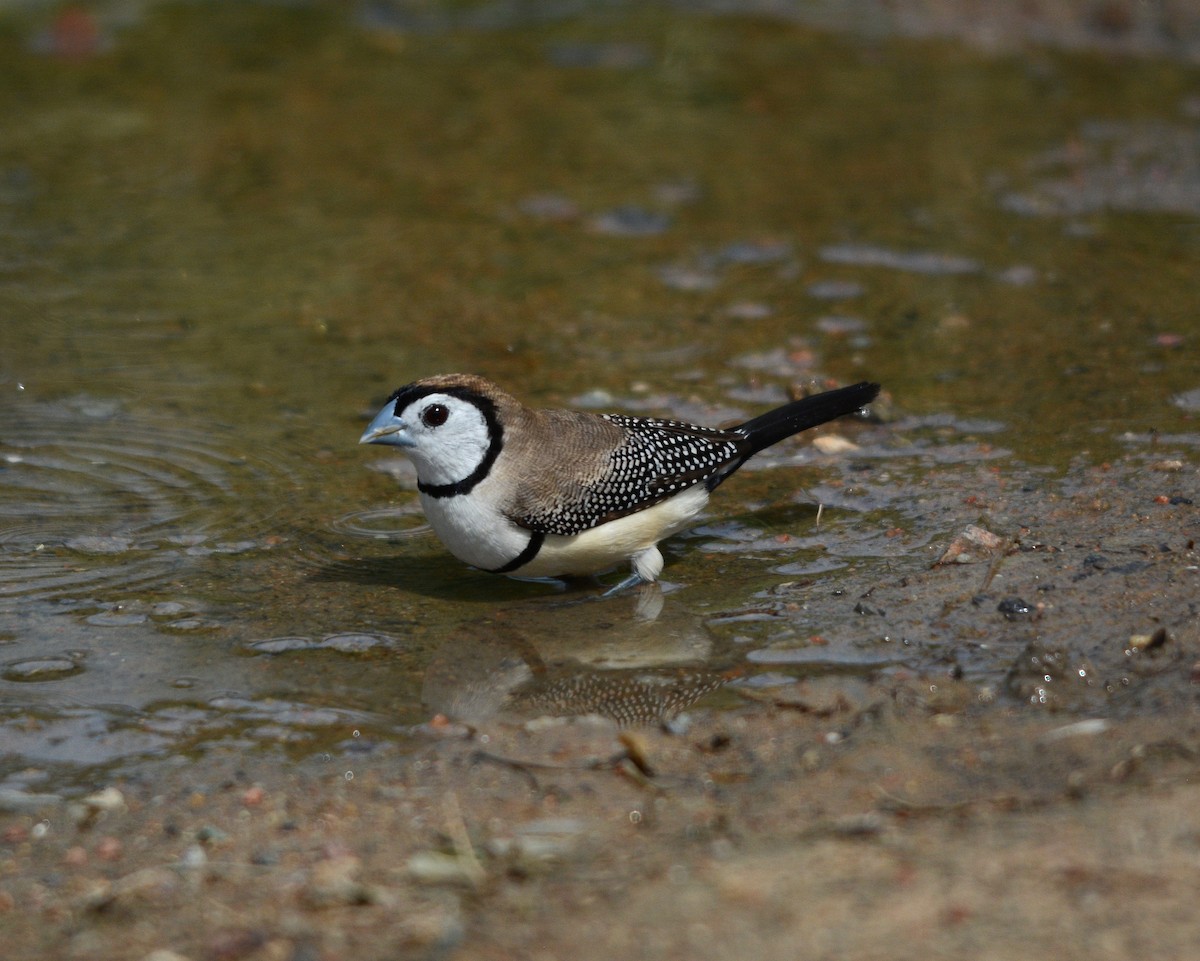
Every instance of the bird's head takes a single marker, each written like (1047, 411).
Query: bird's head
(448, 425)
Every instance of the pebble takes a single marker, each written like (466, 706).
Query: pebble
(335, 881)
(106, 799)
(1086, 728)
(194, 858)
(14, 800)
(110, 849)
(435, 867)
(1148, 642)
(834, 444)
(972, 545)
(146, 886)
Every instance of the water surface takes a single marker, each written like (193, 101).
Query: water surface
(226, 233)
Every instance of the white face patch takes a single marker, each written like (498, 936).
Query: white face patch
(450, 437)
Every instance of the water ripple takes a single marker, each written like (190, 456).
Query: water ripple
(384, 523)
(91, 494)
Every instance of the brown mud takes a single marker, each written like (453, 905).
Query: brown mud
(894, 814)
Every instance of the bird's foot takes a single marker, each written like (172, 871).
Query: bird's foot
(558, 582)
(633, 580)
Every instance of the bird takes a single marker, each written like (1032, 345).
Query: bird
(551, 493)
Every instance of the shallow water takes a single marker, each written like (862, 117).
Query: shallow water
(218, 256)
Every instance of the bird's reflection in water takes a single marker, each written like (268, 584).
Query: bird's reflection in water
(630, 669)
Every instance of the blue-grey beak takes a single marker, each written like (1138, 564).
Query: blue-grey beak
(387, 428)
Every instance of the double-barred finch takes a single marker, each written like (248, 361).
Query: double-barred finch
(545, 493)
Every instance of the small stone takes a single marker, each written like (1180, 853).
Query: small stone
(147, 886)
(834, 444)
(1150, 642)
(14, 834)
(335, 881)
(194, 858)
(108, 799)
(972, 545)
(435, 867)
(1086, 728)
(110, 849)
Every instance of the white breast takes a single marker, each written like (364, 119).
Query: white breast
(473, 531)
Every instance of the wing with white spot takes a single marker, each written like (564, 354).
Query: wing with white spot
(656, 460)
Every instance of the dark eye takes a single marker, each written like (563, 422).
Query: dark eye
(434, 415)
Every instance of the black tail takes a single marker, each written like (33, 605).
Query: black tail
(773, 426)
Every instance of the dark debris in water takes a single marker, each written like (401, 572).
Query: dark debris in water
(1014, 608)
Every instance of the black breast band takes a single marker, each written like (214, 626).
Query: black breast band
(528, 554)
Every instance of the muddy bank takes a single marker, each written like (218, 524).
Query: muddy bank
(777, 833)
(893, 813)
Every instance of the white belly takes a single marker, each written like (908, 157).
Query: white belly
(603, 548)
(485, 538)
